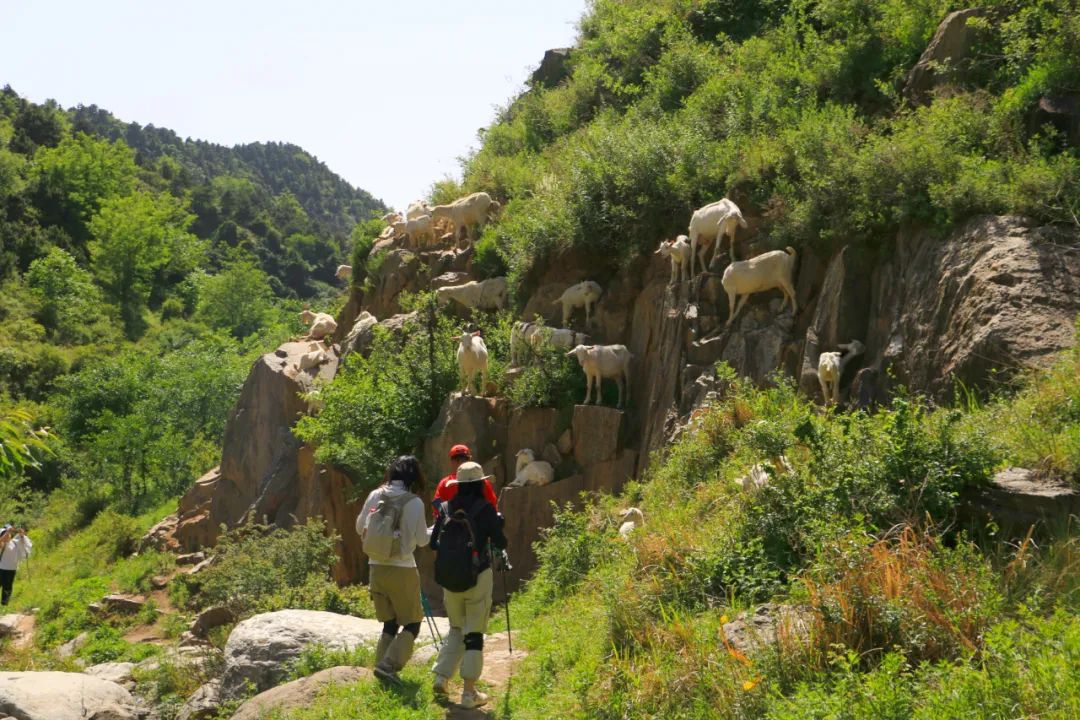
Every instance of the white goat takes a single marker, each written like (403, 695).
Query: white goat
(521, 334)
(416, 209)
(312, 359)
(632, 519)
(558, 338)
(679, 252)
(391, 217)
(465, 212)
(319, 324)
(604, 361)
(487, 294)
(711, 223)
(343, 272)
(416, 228)
(758, 477)
(584, 293)
(535, 335)
(758, 274)
(472, 357)
(831, 368)
(531, 472)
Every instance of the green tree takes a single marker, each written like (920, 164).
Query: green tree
(237, 299)
(136, 238)
(85, 171)
(69, 300)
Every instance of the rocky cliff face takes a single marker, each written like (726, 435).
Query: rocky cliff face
(998, 294)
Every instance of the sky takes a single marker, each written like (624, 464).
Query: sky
(388, 94)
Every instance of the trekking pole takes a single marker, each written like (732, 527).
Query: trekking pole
(506, 566)
(433, 628)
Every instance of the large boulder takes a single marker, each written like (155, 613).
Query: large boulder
(260, 648)
(263, 473)
(529, 510)
(298, 693)
(554, 68)
(117, 672)
(997, 295)
(597, 432)
(399, 272)
(943, 58)
(63, 696)
(478, 422)
(1018, 498)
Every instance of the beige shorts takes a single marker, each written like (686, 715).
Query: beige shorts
(469, 610)
(395, 591)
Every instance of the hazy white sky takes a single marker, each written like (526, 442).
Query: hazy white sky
(388, 94)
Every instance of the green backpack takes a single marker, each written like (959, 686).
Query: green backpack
(382, 527)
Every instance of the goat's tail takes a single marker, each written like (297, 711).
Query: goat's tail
(790, 251)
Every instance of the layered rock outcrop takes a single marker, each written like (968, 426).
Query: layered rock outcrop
(996, 294)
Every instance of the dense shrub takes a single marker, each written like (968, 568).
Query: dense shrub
(254, 564)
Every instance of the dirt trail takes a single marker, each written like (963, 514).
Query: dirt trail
(499, 667)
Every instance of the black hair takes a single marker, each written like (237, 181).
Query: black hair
(407, 469)
(470, 489)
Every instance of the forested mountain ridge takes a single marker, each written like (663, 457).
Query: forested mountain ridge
(274, 200)
(333, 205)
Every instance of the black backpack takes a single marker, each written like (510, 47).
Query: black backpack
(457, 561)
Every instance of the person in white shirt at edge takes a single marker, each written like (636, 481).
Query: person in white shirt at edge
(394, 514)
(14, 547)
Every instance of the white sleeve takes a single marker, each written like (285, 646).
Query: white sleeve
(417, 530)
(26, 546)
(368, 504)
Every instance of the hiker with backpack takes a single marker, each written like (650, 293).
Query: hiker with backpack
(466, 525)
(391, 525)
(445, 491)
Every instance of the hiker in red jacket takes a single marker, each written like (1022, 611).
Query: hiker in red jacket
(447, 490)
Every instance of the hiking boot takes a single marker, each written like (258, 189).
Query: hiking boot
(470, 700)
(387, 676)
(440, 685)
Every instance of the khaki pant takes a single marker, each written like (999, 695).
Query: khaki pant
(468, 613)
(395, 591)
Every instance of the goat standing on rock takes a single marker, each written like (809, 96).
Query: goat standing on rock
(679, 252)
(766, 271)
(604, 361)
(585, 293)
(831, 368)
(472, 357)
(708, 225)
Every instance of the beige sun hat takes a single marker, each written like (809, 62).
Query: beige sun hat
(469, 472)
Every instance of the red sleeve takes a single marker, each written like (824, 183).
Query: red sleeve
(489, 493)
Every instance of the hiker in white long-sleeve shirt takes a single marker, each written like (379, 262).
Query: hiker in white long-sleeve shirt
(391, 526)
(15, 546)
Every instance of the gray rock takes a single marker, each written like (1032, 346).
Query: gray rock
(209, 619)
(298, 693)
(597, 431)
(766, 625)
(190, 558)
(64, 696)
(942, 59)
(260, 648)
(203, 703)
(117, 672)
(73, 645)
(1018, 498)
(120, 603)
